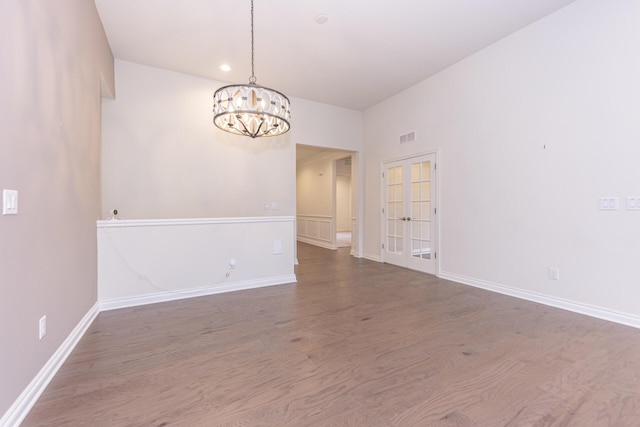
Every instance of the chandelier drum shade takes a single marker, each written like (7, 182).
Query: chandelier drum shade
(250, 109)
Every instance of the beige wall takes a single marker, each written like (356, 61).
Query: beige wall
(52, 55)
(533, 130)
(314, 186)
(343, 196)
(343, 203)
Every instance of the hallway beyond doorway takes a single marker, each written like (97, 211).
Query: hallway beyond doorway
(343, 239)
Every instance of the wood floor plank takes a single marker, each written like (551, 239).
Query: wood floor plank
(353, 343)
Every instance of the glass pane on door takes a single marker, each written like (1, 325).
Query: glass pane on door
(421, 210)
(394, 206)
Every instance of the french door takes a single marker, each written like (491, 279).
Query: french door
(409, 213)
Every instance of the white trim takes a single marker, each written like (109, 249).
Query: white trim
(23, 404)
(375, 258)
(30, 395)
(438, 215)
(119, 223)
(317, 242)
(191, 293)
(410, 156)
(576, 307)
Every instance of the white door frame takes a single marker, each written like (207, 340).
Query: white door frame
(436, 178)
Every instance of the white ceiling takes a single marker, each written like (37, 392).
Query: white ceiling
(367, 51)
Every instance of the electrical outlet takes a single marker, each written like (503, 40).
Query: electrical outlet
(277, 247)
(554, 273)
(42, 327)
(609, 203)
(232, 263)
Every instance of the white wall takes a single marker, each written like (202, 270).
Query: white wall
(53, 58)
(324, 125)
(533, 130)
(164, 158)
(328, 126)
(142, 261)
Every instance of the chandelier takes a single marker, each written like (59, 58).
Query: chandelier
(250, 109)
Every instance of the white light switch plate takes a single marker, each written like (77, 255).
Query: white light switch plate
(9, 202)
(633, 203)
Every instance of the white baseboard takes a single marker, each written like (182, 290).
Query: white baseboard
(375, 258)
(23, 404)
(316, 242)
(576, 307)
(192, 293)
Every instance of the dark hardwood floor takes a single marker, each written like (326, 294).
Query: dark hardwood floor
(354, 343)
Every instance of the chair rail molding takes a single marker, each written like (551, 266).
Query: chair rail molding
(316, 230)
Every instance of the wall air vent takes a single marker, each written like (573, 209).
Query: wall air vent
(408, 137)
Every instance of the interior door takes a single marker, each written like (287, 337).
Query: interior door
(409, 211)
(394, 242)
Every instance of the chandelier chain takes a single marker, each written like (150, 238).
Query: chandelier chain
(250, 109)
(252, 79)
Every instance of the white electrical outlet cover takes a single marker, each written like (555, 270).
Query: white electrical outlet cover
(609, 203)
(277, 247)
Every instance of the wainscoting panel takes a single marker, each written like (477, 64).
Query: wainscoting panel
(316, 230)
(147, 261)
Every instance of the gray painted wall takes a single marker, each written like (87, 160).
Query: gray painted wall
(54, 57)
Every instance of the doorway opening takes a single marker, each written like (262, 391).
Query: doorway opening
(327, 198)
(344, 216)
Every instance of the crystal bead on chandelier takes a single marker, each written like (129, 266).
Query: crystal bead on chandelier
(250, 109)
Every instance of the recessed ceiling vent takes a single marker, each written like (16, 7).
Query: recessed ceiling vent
(408, 137)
